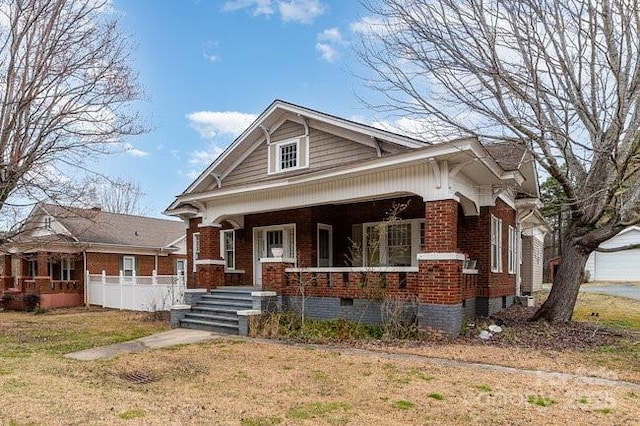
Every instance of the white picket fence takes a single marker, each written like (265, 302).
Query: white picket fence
(154, 293)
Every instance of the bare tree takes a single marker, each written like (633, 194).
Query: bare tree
(114, 195)
(66, 91)
(561, 77)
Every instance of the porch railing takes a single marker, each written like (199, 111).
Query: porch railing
(135, 293)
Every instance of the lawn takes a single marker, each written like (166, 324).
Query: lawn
(252, 382)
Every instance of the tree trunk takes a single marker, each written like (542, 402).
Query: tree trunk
(562, 299)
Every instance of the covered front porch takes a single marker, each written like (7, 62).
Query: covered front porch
(56, 277)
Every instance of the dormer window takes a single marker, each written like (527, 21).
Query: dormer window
(288, 155)
(47, 223)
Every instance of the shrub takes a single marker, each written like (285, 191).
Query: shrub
(30, 301)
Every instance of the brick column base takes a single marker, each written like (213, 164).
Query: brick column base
(274, 277)
(440, 294)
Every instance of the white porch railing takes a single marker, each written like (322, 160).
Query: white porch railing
(145, 293)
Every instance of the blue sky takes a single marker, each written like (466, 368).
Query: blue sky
(208, 67)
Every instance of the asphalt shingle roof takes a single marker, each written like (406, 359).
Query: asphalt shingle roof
(96, 226)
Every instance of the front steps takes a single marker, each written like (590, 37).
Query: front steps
(217, 310)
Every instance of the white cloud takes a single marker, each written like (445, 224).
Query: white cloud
(427, 129)
(299, 11)
(205, 157)
(260, 7)
(369, 25)
(211, 57)
(331, 35)
(327, 52)
(211, 123)
(134, 152)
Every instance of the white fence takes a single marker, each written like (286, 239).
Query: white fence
(154, 293)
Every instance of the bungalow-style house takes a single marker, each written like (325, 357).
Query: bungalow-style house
(301, 199)
(57, 247)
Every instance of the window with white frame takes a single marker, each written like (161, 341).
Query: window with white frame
(513, 250)
(67, 266)
(288, 156)
(196, 249)
(496, 244)
(128, 266)
(228, 248)
(395, 244)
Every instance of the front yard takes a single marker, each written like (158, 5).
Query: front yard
(253, 382)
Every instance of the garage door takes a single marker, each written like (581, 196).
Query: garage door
(618, 266)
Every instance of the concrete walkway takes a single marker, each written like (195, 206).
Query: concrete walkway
(182, 336)
(177, 336)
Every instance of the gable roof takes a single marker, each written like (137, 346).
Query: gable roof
(274, 115)
(99, 227)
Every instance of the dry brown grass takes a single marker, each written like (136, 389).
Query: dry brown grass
(242, 382)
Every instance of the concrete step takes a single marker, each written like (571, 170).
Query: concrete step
(225, 318)
(224, 303)
(213, 326)
(229, 296)
(233, 309)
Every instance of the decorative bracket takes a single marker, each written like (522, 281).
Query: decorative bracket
(436, 172)
(378, 146)
(267, 135)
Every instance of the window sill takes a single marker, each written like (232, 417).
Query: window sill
(234, 271)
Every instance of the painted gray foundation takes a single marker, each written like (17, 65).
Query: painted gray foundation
(469, 309)
(177, 313)
(193, 295)
(328, 308)
(488, 306)
(446, 318)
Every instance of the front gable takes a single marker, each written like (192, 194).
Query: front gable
(319, 150)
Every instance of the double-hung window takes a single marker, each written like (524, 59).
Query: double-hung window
(228, 248)
(496, 244)
(392, 244)
(128, 266)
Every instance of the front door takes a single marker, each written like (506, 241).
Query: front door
(181, 267)
(270, 242)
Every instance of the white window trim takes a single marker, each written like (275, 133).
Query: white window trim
(330, 229)
(277, 145)
(496, 240)
(223, 249)
(133, 266)
(195, 253)
(512, 252)
(384, 252)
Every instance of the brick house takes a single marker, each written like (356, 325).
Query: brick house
(57, 247)
(303, 197)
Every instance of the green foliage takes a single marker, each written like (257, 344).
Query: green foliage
(39, 311)
(403, 404)
(484, 388)
(605, 410)
(288, 325)
(437, 396)
(261, 421)
(539, 400)
(317, 410)
(582, 400)
(132, 414)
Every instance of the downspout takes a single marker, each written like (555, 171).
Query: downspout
(519, 252)
(84, 278)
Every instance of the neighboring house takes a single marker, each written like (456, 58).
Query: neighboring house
(618, 265)
(58, 246)
(302, 196)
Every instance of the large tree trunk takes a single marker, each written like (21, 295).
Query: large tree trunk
(562, 299)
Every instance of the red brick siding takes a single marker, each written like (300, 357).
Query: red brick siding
(110, 263)
(441, 227)
(475, 240)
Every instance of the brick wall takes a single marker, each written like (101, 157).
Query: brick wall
(474, 238)
(110, 263)
(441, 227)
